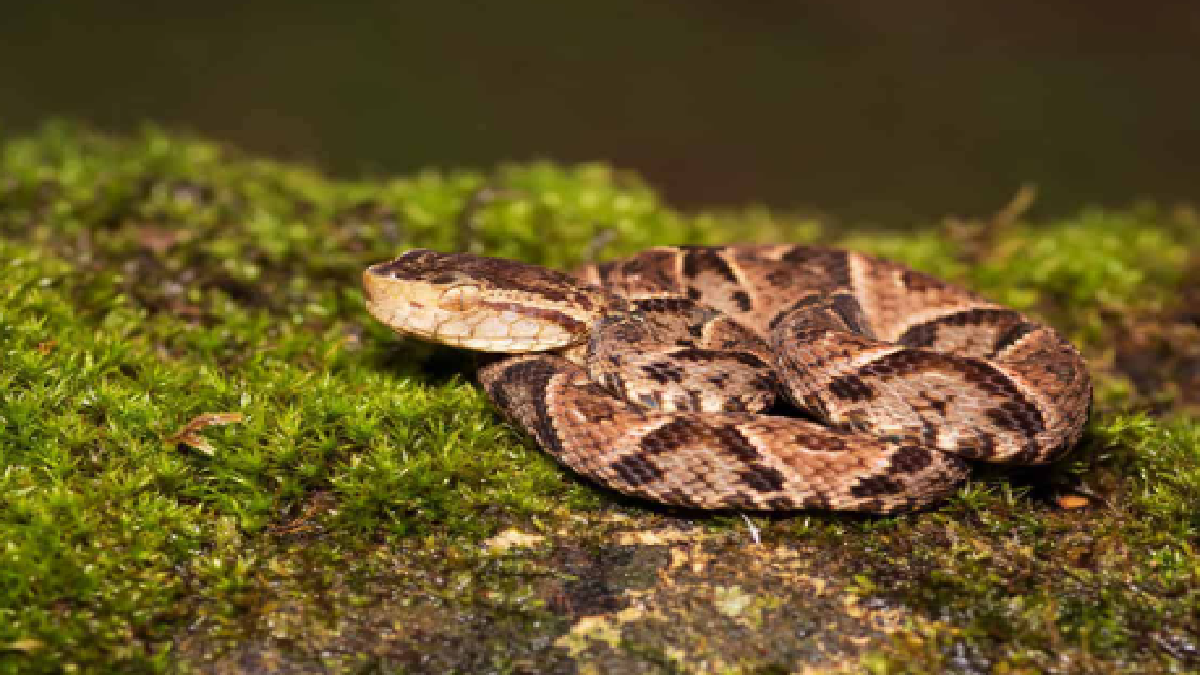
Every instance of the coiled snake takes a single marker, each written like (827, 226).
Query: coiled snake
(667, 375)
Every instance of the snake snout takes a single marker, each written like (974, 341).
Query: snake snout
(368, 283)
(386, 298)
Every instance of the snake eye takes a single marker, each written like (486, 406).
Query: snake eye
(448, 278)
(459, 298)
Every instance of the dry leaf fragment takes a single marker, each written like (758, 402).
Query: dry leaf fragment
(1072, 502)
(653, 537)
(159, 240)
(25, 644)
(189, 434)
(512, 538)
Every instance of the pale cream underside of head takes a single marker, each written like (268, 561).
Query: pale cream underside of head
(489, 331)
(453, 317)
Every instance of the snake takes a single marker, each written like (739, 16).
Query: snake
(750, 377)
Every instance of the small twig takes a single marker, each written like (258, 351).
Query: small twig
(752, 527)
(977, 235)
(189, 434)
(301, 523)
(1016, 207)
(599, 242)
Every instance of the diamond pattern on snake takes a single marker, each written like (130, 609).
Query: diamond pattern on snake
(669, 375)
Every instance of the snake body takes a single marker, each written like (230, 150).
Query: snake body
(667, 375)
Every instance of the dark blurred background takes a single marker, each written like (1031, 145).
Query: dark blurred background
(866, 110)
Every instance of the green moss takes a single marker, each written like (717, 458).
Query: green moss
(150, 280)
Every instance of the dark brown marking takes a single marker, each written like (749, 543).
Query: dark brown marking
(651, 401)
(669, 305)
(938, 404)
(446, 278)
(672, 436)
(984, 446)
(780, 278)
(925, 334)
(851, 313)
(918, 282)
(818, 501)
(851, 388)
(605, 271)
(632, 267)
(423, 265)
(780, 503)
(676, 496)
(1017, 415)
(820, 443)
(697, 355)
(738, 500)
(911, 459)
(413, 265)
(703, 259)
(1065, 371)
(876, 505)
(533, 376)
(1017, 412)
(874, 486)
(1028, 454)
(663, 373)
(568, 323)
(620, 330)
(1012, 335)
(651, 269)
(905, 362)
(498, 392)
(595, 403)
(802, 303)
(636, 471)
(762, 478)
(742, 299)
(756, 476)
(815, 405)
(920, 335)
(830, 265)
(732, 440)
(613, 381)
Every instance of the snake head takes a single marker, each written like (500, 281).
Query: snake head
(486, 304)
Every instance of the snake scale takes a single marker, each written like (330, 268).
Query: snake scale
(751, 377)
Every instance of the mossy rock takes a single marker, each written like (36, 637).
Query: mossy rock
(363, 509)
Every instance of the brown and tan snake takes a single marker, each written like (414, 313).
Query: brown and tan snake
(669, 375)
